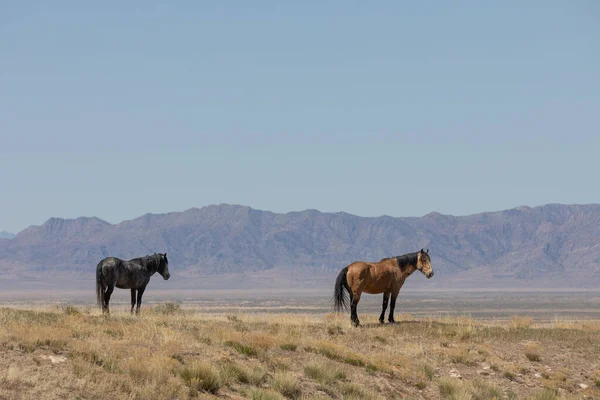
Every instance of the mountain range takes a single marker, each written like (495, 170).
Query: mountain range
(548, 246)
(6, 235)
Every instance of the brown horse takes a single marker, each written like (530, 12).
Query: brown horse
(386, 276)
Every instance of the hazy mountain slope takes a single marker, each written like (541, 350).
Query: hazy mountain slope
(561, 241)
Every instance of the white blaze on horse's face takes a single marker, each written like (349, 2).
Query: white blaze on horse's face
(424, 263)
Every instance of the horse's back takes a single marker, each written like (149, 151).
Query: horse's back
(359, 273)
(109, 262)
(357, 270)
(109, 268)
(371, 277)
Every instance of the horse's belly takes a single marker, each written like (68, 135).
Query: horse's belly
(125, 281)
(130, 281)
(376, 289)
(123, 285)
(384, 283)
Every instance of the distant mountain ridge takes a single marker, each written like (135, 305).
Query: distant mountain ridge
(6, 235)
(522, 245)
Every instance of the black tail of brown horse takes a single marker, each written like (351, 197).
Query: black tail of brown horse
(341, 292)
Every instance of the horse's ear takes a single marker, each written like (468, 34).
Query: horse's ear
(427, 251)
(422, 251)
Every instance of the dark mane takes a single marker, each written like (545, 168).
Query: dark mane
(406, 259)
(152, 261)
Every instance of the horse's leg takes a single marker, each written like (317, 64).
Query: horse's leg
(109, 290)
(103, 288)
(392, 306)
(132, 299)
(386, 297)
(353, 311)
(140, 292)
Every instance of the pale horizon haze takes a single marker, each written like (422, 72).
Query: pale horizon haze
(117, 109)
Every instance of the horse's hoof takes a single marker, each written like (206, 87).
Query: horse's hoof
(381, 321)
(392, 322)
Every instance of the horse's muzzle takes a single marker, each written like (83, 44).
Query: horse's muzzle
(167, 277)
(430, 275)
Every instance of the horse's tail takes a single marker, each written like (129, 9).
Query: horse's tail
(340, 296)
(99, 289)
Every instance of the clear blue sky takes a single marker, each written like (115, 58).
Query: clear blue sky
(115, 109)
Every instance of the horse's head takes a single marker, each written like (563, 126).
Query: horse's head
(424, 263)
(163, 267)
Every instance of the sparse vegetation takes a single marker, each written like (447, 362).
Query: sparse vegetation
(324, 372)
(453, 389)
(420, 385)
(242, 348)
(521, 322)
(481, 390)
(545, 394)
(289, 346)
(231, 373)
(509, 375)
(70, 310)
(355, 392)
(256, 376)
(532, 352)
(461, 356)
(428, 370)
(261, 394)
(201, 377)
(172, 353)
(287, 384)
(335, 330)
(168, 308)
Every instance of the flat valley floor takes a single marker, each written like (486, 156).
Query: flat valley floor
(249, 344)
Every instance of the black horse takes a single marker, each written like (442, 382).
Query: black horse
(133, 274)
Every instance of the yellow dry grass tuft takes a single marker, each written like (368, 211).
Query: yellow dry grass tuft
(533, 351)
(324, 372)
(287, 384)
(201, 377)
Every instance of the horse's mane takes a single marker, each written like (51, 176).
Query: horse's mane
(406, 259)
(149, 261)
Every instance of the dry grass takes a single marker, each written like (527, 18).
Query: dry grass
(325, 372)
(453, 389)
(201, 377)
(172, 353)
(262, 394)
(520, 322)
(533, 351)
(287, 384)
